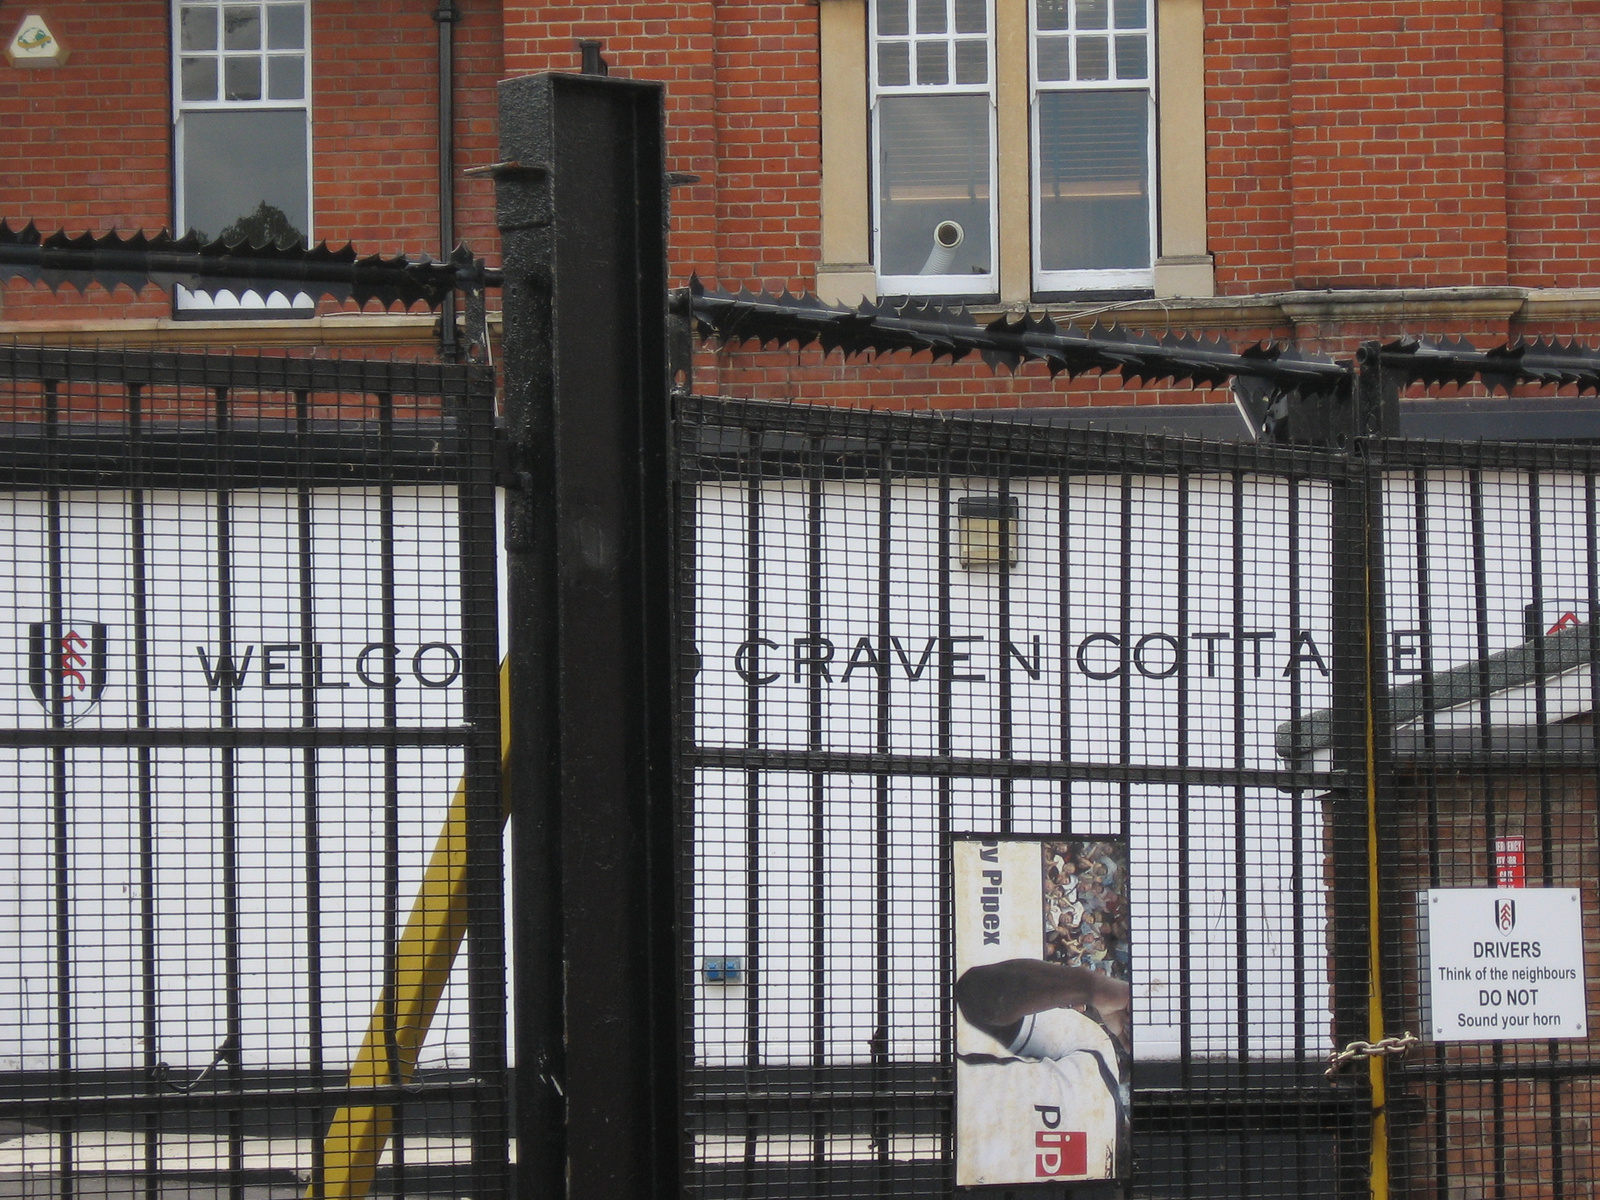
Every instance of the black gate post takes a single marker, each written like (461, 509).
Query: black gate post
(1368, 409)
(580, 205)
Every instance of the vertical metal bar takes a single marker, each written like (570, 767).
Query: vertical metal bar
(752, 793)
(1125, 632)
(311, 868)
(60, 847)
(686, 474)
(1419, 505)
(1419, 502)
(234, 1005)
(1558, 1183)
(1184, 865)
(1349, 868)
(883, 1118)
(1379, 395)
(815, 710)
(485, 811)
(144, 767)
(1064, 618)
(391, 788)
(1480, 590)
(1003, 638)
(1297, 813)
(1297, 797)
(943, 742)
(1241, 951)
(1591, 539)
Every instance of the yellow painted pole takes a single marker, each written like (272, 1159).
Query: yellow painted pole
(1376, 1074)
(427, 950)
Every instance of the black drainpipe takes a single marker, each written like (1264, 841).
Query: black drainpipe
(445, 16)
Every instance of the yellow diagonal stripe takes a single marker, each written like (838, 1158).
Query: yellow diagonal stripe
(356, 1136)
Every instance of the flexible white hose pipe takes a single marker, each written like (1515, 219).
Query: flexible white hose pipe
(947, 238)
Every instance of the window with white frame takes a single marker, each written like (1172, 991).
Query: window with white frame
(1093, 144)
(932, 97)
(241, 91)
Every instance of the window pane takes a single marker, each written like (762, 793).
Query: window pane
(1130, 14)
(197, 29)
(1132, 60)
(286, 27)
(894, 64)
(1055, 63)
(1092, 14)
(244, 174)
(1094, 180)
(241, 28)
(1051, 14)
(972, 16)
(930, 16)
(1094, 58)
(933, 165)
(972, 62)
(933, 62)
(286, 77)
(242, 77)
(894, 18)
(199, 78)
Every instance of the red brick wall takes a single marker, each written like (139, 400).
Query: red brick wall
(1553, 141)
(1398, 144)
(1423, 142)
(1248, 145)
(89, 141)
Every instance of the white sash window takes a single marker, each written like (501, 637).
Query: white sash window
(241, 95)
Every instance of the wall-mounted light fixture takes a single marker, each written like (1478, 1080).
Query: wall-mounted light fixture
(987, 531)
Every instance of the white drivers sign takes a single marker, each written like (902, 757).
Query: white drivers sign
(1505, 964)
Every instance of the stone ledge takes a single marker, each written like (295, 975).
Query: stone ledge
(1401, 304)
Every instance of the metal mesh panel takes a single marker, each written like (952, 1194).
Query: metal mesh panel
(907, 630)
(249, 619)
(1491, 583)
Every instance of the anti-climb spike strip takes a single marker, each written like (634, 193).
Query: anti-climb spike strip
(951, 332)
(1265, 370)
(139, 259)
(1535, 361)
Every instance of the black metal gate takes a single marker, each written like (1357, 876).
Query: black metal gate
(910, 628)
(253, 752)
(1487, 779)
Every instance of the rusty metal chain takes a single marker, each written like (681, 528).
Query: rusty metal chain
(1384, 1047)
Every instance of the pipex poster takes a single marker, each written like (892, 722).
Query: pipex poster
(1043, 1009)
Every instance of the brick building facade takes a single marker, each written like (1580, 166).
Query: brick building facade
(1320, 171)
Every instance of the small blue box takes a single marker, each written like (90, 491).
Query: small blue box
(724, 970)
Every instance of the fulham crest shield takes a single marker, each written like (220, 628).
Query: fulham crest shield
(67, 666)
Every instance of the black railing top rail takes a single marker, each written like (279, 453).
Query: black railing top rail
(853, 438)
(266, 372)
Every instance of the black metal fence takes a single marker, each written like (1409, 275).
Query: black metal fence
(251, 744)
(254, 744)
